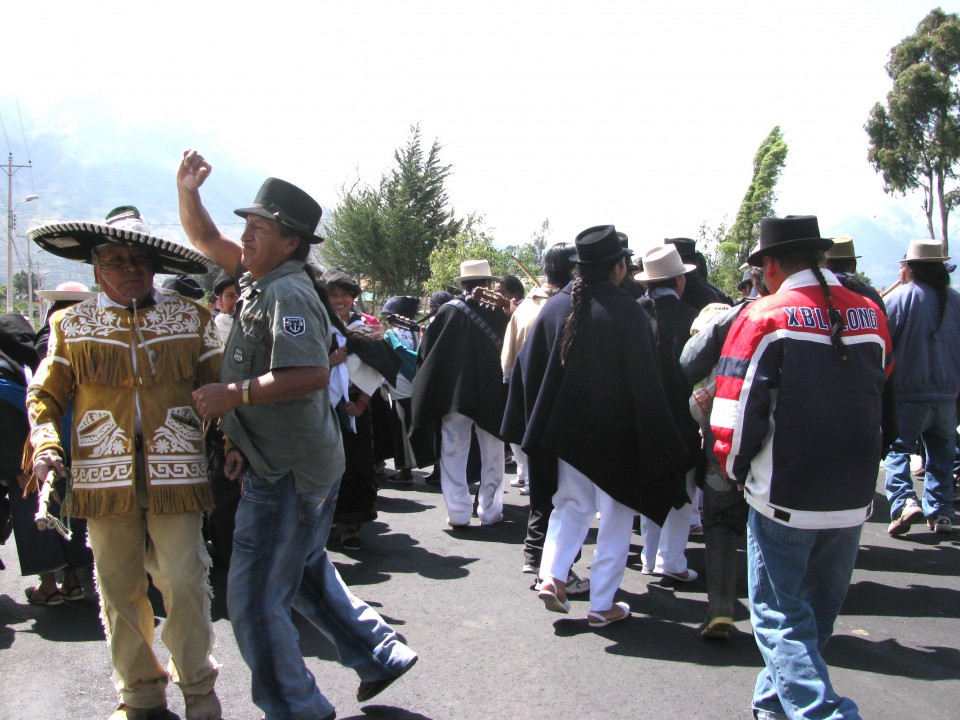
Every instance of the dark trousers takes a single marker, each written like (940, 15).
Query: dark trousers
(542, 476)
(725, 513)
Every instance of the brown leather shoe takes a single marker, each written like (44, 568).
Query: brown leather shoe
(125, 712)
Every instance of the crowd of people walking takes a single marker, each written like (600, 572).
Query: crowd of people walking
(628, 390)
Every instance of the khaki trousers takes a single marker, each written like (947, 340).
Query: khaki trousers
(169, 547)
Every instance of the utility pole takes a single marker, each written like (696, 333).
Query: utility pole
(11, 169)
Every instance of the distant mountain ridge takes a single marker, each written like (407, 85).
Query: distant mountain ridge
(881, 241)
(75, 182)
(78, 181)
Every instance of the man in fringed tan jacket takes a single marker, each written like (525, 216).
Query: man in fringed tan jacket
(130, 359)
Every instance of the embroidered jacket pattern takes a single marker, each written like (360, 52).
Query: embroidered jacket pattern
(116, 376)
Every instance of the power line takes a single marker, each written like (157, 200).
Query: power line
(24, 136)
(6, 139)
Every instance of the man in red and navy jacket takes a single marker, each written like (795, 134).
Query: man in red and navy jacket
(798, 421)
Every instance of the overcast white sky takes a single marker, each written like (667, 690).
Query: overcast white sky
(642, 114)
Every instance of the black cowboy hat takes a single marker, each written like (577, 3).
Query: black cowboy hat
(599, 244)
(793, 232)
(123, 226)
(288, 205)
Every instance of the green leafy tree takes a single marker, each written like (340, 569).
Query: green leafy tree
(384, 235)
(472, 244)
(728, 249)
(20, 289)
(915, 136)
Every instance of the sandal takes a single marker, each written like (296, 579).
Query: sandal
(74, 593)
(598, 620)
(551, 601)
(35, 597)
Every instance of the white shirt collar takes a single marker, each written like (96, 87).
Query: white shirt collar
(104, 301)
(806, 278)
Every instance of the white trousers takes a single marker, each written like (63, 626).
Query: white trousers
(575, 504)
(663, 548)
(520, 457)
(454, 449)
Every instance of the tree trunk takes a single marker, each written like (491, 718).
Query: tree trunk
(944, 215)
(928, 202)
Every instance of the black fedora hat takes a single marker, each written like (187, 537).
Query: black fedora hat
(288, 205)
(599, 244)
(685, 246)
(793, 232)
(123, 226)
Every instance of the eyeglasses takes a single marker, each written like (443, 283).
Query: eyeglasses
(137, 261)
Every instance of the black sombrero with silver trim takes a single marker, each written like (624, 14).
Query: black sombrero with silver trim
(76, 240)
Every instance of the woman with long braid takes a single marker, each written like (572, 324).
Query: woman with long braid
(586, 391)
(924, 316)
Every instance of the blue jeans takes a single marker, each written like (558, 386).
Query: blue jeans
(797, 580)
(280, 561)
(936, 424)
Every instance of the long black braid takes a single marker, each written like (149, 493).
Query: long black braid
(572, 323)
(834, 316)
(935, 275)
(586, 276)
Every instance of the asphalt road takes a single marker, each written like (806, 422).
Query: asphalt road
(488, 649)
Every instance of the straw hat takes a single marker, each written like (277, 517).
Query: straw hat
(842, 249)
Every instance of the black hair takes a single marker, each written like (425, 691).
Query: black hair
(512, 284)
(587, 274)
(810, 259)
(316, 278)
(844, 265)
(665, 283)
(936, 276)
(469, 285)
(302, 252)
(557, 266)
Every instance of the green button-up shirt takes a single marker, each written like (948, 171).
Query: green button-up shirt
(282, 324)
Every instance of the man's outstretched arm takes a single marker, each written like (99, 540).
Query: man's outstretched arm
(197, 223)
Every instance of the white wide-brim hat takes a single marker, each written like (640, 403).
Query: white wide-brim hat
(925, 251)
(662, 263)
(475, 270)
(67, 291)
